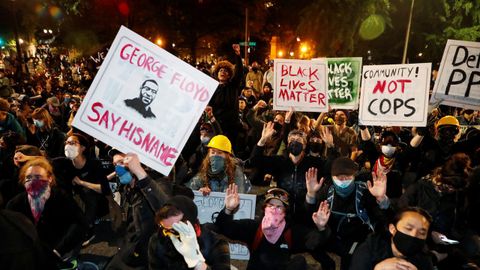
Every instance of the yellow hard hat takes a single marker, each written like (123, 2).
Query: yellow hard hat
(220, 142)
(448, 121)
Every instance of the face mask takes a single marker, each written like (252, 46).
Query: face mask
(123, 174)
(38, 123)
(408, 245)
(36, 187)
(274, 216)
(344, 188)
(71, 151)
(277, 126)
(315, 147)
(217, 164)
(295, 148)
(205, 139)
(448, 134)
(66, 100)
(388, 150)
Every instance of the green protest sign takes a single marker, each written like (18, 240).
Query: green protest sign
(344, 82)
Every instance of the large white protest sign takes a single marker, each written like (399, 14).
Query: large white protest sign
(300, 84)
(144, 100)
(209, 206)
(458, 80)
(395, 95)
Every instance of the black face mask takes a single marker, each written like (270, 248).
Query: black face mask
(408, 245)
(448, 134)
(295, 148)
(277, 126)
(315, 147)
(255, 69)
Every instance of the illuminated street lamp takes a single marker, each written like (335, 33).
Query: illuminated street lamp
(292, 54)
(304, 48)
(280, 53)
(173, 45)
(159, 42)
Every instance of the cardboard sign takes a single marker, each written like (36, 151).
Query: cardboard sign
(300, 84)
(395, 95)
(209, 206)
(458, 81)
(344, 82)
(144, 100)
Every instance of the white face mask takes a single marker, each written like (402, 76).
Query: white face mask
(71, 151)
(388, 150)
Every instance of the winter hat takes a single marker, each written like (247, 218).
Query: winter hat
(186, 205)
(344, 166)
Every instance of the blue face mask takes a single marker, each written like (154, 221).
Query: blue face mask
(217, 164)
(344, 188)
(123, 174)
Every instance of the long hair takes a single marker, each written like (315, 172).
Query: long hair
(44, 115)
(230, 165)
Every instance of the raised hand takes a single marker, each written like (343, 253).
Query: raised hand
(379, 187)
(267, 131)
(326, 136)
(320, 218)
(311, 182)
(232, 199)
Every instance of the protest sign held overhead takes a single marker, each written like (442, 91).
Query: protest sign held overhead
(344, 82)
(395, 95)
(144, 100)
(458, 80)
(300, 84)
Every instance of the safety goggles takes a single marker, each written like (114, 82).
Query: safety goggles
(277, 193)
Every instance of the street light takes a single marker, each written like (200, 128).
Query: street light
(304, 48)
(292, 54)
(280, 53)
(159, 42)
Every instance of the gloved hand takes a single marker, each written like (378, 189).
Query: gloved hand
(188, 244)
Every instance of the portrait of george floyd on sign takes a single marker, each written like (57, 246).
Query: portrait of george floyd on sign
(395, 95)
(144, 100)
(458, 79)
(301, 84)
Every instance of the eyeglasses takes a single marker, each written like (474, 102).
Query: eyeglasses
(71, 143)
(32, 177)
(274, 206)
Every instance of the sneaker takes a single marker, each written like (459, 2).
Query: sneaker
(68, 265)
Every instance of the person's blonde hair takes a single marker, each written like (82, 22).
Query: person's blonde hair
(44, 115)
(37, 162)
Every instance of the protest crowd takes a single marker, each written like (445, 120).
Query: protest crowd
(350, 196)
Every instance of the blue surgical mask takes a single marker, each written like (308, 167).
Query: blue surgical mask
(38, 123)
(344, 187)
(123, 174)
(217, 164)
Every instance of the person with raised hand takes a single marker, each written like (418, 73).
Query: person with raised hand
(274, 240)
(354, 211)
